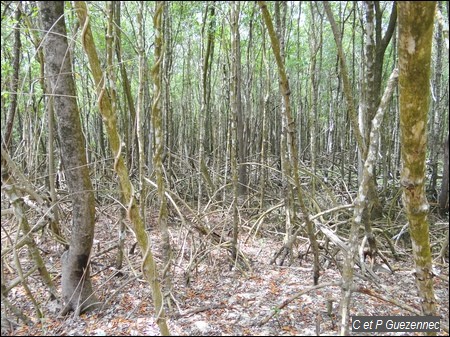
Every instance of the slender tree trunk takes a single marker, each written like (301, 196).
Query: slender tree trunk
(76, 284)
(140, 121)
(129, 120)
(436, 111)
(291, 145)
(315, 44)
(264, 130)
(345, 80)
(240, 127)
(415, 21)
(169, 129)
(113, 44)
(202, 117)
(443, 196)
(148, 264)
(17, 48)
(234, 116)
(360, 205)
(157, 122)
(286, 165)
(367, 110)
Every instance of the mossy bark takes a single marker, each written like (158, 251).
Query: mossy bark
(109, 118)
(415, 37)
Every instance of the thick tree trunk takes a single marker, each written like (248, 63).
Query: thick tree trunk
(76, 284)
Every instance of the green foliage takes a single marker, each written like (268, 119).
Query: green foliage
(186, 46)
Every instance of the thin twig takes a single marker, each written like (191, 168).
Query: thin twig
(294, 297)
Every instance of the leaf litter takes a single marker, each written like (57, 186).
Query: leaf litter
(214, 298)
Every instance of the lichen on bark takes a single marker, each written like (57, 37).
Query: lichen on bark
(415, 37)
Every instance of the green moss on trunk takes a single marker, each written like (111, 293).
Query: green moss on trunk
(415, 37)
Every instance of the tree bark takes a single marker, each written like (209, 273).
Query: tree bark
(240, 120)
(236, 113)
(17, 48)
(368, 107)
(157, 122)
(76, 284)
(204, 114)
(290, 131)
(443, 197)
(148, 264)
(315, 43)
(361, 204)
(437, 112)
(415, 20)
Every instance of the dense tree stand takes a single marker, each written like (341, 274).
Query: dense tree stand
(222, 168)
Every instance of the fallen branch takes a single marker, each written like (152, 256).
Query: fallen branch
(201, 309)
(385, 298)
(197, 224)
(294, 297)
(289, 244)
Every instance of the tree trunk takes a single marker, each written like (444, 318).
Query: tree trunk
(368, 107)
(240, 120)
(361, 204)
(76, 284)
(148, 264)
(345, 80)
(264, 128)
(315, 44)
(286, 165)
(443, 197)
(415, 21)
(235, 132)
(290, 132)
(436, 112)
(17, 48)
(157, 122)
(140, 121)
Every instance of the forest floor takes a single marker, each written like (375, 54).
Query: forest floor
(216, 299)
